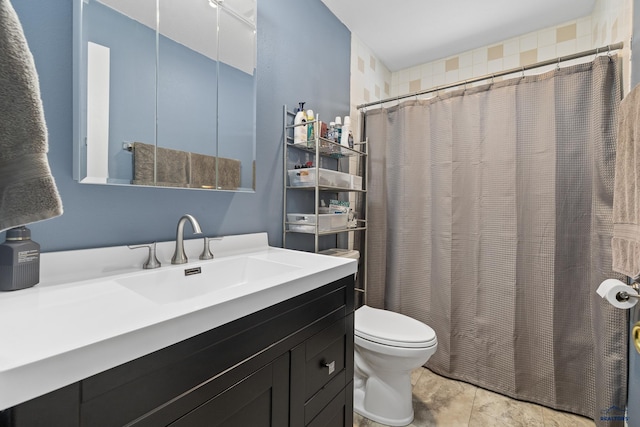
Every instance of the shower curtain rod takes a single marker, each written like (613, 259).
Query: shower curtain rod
(558, 60)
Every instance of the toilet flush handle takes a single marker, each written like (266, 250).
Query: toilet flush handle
(331, 366)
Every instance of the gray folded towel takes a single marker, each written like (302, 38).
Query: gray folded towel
(228, 173)
(27, 190)
(203, 171)
(160, 166)
(625, 243)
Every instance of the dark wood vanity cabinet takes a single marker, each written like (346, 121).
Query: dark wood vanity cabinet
(290, 364)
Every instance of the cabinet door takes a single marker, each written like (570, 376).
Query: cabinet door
(338, 413)
(261, 399)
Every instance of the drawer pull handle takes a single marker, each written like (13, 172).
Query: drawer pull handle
(331, 366)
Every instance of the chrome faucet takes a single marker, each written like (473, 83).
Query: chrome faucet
(152, 261)
(179, 256)
(206, 252)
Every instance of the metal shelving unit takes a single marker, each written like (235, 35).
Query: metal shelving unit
(321, 148)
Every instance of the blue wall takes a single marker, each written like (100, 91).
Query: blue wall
(303, 54)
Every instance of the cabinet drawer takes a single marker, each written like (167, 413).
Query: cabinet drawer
(325, 357)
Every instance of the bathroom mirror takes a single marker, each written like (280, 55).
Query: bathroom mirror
(165, 93)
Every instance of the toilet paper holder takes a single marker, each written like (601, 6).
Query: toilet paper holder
(624, 296)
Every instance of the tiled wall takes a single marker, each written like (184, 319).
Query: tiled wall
(370, 81)
(525, 50)
(609, 23)
(370, 78)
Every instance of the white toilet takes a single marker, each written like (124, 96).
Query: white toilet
(388, 346)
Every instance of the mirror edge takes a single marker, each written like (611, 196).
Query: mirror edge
(76, 89)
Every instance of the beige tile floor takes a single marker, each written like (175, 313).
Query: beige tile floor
(443, 402)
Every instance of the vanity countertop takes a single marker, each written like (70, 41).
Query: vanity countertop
(81, 320)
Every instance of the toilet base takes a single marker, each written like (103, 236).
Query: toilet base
(358, 407)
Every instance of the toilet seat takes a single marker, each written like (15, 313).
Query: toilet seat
(392, 329)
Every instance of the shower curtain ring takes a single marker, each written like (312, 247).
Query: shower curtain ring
(609, 51)
(523, 72)
(558, 65)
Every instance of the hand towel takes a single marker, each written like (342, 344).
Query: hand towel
(625, 243)
(171, 166)
(28, 192)
(228, 173)
(203, 172)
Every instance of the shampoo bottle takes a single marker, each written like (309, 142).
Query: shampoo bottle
(311, 136)
(19, 260)
(300, 131)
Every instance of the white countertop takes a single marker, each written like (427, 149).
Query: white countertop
(80, 320)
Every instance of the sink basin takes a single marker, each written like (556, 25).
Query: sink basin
(168, 285)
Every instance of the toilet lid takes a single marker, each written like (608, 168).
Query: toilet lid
(394, 329)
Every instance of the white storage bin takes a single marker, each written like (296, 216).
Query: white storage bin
(306, 223)
(306, 177)
(328, 210)
(356, 182)
(342, 253)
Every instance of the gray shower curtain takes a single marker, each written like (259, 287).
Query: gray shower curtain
(489, 215)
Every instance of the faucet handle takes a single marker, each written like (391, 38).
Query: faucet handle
(206, 252)
(152, 261)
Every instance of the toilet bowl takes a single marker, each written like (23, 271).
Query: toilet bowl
(388, 346)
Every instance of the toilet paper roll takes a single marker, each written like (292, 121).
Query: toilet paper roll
(609, 290)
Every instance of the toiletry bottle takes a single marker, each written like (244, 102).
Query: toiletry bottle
(311, 136)
(346, 128)
(331, 131)
(338, 129)
(19, 260)
(323, 129)
(300, 132)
